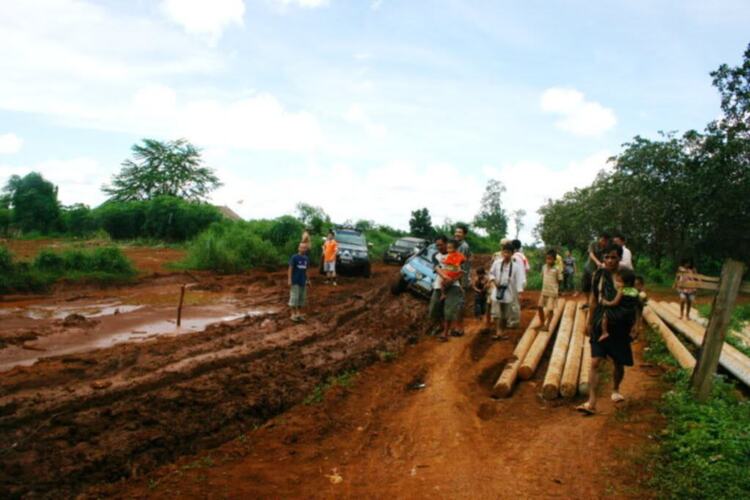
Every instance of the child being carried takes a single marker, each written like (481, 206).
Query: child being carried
(624, 307)
(451, 267)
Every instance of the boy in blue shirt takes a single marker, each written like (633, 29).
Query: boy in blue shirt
(298, 282)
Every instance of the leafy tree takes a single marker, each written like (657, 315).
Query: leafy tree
(420, 223)
(34, 203)
(734, 86)
(313, 217)
(173, 168)
(492, 217)
(518, 216)
(78, 220)
(364, 225)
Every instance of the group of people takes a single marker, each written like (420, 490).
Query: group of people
(616, 295)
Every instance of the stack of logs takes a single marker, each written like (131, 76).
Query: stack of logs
(568, 372)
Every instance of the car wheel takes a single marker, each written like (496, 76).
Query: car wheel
(399, 286)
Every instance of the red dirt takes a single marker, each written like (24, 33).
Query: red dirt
(384, 439)
(221, 408)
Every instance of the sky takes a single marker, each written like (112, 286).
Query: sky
(367, 108)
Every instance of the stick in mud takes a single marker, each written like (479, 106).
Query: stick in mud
(179, 306)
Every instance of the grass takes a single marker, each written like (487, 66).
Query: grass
(740, 318)
(345, 379)
(102, 265)
(704, 451)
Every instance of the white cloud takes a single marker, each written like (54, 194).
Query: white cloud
(358, 116)
(309, 4)
(530, 184)
(10, 144)
(579, 116)
(201, 17)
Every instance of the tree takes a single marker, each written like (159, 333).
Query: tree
(492, 217)
(420, 224)
(518, 216)
(364, 225)
(173, 168)
(33, 200)
(313, 217)
(734, 86)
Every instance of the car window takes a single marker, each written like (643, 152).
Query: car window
(351, 239)
(406, 243)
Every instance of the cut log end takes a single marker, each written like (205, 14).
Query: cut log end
(525, 372)
(550, 391)
(568, 390)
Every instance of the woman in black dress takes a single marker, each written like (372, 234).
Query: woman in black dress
(606, 281)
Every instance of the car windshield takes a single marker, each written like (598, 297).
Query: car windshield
(405, 243)
(428, 253)
(351, 239)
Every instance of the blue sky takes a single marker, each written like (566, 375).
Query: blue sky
(367, 108)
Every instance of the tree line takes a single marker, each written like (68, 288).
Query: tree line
(676, 196)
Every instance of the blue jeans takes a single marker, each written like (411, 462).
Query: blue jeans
(480, 305)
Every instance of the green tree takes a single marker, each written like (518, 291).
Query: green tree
(492, 217)
(420, 223)
(313, 217)
(173, 168)
(33, 200)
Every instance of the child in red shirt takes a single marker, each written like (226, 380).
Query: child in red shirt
(451, 266)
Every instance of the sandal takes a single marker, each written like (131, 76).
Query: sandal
(442, 338)
(457, 333)
(500, 337)
(617, 397)
(586, 409)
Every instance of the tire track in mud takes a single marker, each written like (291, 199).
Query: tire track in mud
(156, 401)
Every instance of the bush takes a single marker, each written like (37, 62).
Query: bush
(163, 218)
(231, 247)
(79, 220)
(105, 264)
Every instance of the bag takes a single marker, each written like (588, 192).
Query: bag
(500, 290)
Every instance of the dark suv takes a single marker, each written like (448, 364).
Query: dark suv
(353, 254)
(402, 249)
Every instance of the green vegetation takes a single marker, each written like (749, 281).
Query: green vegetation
(34, 202)
(420, 224)
(492, 217)
(704, 451)
(740, 318)
(103, 265)
(673, 196)
(345, 379)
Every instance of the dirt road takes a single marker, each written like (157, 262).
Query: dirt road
(72, 421)
(385, 436)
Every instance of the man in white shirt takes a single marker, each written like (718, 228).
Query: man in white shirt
(507, 280)
(436, 305)
(523, 267)
(627, 256)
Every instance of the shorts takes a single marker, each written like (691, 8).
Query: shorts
(297, 296)
(687, 296)
(547, 303)
(453, 307)
(436, 305)
(586, 282)
(329, 267)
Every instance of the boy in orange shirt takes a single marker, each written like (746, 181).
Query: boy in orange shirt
(452, 269)
(330, 249)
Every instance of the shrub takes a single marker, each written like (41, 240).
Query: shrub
(231, 247)
(79, 220)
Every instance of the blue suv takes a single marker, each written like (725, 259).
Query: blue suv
(418, 273)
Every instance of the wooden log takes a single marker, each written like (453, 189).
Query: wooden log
(583, 381)
(678, 350)
(536, 351)
(551, 387)
(731, 359)
(569, 381)
(504, 385)
(702, 380)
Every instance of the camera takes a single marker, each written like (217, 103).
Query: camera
(500, 293)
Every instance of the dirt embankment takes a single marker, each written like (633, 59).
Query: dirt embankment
(69, 422)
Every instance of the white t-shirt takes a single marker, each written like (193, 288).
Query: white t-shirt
(501, 274)
(627, 258)
(519, 266)
(438, 283)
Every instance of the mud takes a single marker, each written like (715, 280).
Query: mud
(133, 392)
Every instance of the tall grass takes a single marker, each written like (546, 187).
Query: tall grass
(103, 265)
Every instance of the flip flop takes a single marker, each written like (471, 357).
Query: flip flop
(585, 409)
(500, 337)
(617, 397)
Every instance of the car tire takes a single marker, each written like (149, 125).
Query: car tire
(399, 286)
(367, 272)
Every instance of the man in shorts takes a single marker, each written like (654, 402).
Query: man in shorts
(436, 307)
(298, 282)
(330, 250)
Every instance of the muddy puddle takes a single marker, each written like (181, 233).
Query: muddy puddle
(57, 330)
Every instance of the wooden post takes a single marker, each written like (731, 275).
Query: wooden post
(504, 385)
(551, 386)
(678, 350)
(721, 312)
(569, 380)
(531, 361)
(179, 306)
